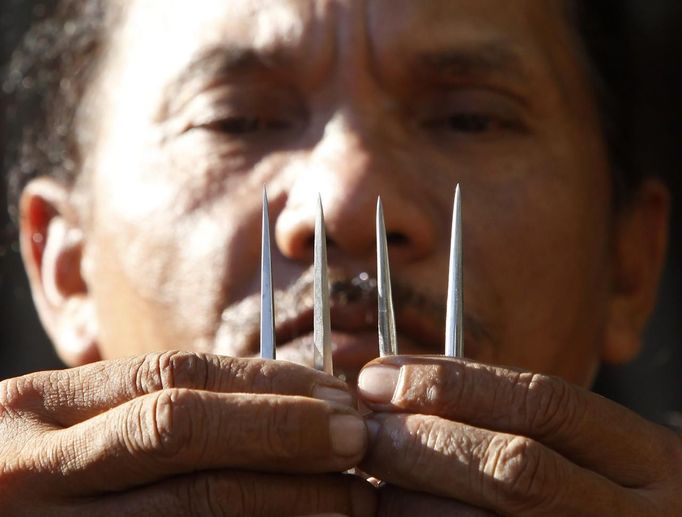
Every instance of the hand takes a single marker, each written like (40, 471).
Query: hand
(139, 436)
(398, 502)
(515, 442)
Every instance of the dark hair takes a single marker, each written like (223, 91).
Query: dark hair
(604, 30)
(45, 84)
(50, 72)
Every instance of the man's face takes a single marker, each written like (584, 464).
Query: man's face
(204, 103)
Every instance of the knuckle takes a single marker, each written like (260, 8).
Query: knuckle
(219, 496)
(10, 396)
(18, 455)
(439, 386)
(145, 374)
(186, 369)
(238, 373)
(61, 456)
(280, 378)
(17, 395)
(61, 388)
(173, 369)
(550, 404)
(275, 377)
(162, 425)
(262, 376)
(282, 436)
(423, 441)
(241, 374)
(522, 473)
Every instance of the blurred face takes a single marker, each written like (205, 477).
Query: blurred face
(204, 103)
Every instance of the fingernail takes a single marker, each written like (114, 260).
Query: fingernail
(378, 383)
(333, 395)
(348, 434)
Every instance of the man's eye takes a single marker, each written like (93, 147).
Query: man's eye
(471, 123)
(246, 125)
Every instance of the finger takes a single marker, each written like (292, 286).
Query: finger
(589, 429)
(398, 502)
(177, 431)
(500, 472)
(74, 395)
(243, 494)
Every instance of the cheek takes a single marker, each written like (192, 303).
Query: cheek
(541, 248)
(174, 248)
(536, 252)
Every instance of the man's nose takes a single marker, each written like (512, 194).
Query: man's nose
(348, 171)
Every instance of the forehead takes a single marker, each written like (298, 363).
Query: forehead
(162, 36)
(177, 29)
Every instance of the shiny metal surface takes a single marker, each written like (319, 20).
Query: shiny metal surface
(267, 303)
(454, 341)
(388, 343)
(321, 320)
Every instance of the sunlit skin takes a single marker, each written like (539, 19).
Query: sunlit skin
(347, 106)
(200, 105)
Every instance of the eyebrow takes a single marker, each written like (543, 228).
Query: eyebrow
(219, 62)
(480, 60)
(215, 64)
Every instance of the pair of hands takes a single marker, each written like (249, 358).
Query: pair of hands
(186, 434)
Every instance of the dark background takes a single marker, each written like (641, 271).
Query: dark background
(652, 385)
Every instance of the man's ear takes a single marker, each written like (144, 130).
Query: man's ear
(52, 249)
(639, 254)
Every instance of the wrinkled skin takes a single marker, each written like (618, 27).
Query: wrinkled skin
(353, 111)
(196, 108)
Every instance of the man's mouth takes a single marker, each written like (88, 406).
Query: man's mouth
(353, 305)
(354, 336)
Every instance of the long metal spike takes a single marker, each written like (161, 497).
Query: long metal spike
(267, 303)
(321, 320)
(388, 343)
(454, 324)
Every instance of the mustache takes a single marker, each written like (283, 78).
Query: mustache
(359, 289)
(239, 323)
